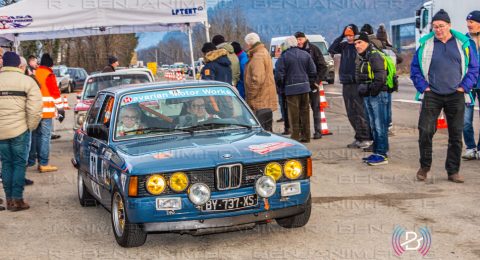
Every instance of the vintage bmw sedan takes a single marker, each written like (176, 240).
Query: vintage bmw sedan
(187, 157)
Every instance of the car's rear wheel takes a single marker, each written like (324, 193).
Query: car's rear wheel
(127, 234)
(70, 88)
(86, 199)
(299, 220)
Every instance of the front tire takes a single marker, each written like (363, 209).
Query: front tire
(84, 197)
(299, 220)
(127, 234)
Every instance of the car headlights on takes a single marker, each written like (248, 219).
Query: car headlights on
(199, 193)
(178, 182)
(274, 170)
(265, 186)
(293, 169)
(156, 184)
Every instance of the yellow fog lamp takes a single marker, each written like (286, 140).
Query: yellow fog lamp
(178, 182)
(293, 169)
(156, 184)
(274, 170)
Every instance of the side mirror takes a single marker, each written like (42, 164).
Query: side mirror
(97, 131)
(417, 22)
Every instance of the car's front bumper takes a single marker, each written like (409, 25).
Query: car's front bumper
(143, 210)
(220, 224)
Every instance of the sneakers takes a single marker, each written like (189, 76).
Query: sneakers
(422, 174)
(377, 159)
(368, 149)
(287, 132)
(354, 144)
(360, 144)
(47, 168)
(457, 178)
(471, 154)
(55, 137)
(317, 135)
(366, 159)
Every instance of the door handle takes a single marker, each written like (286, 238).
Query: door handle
(94, 145)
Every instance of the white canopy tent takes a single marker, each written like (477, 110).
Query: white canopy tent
(53, 19)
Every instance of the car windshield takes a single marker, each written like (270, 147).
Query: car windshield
(96, 84)
(181, 110)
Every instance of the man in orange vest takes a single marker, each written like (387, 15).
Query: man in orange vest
(52, 102)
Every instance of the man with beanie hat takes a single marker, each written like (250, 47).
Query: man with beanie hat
(371, 75)
(368, 29)
(20, 113)
(219, 42)
(443, 69)
(345, 45)
(52, 102)
(217, 64)
(243, 59)
(473, 149)
(315, 80)
(112, 64)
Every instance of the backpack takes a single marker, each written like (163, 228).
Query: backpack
(390, 67)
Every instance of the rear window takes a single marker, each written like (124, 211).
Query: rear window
(94, 85)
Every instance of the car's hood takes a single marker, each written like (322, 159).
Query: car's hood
(181, 153)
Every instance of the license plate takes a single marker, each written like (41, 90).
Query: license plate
(231, 203)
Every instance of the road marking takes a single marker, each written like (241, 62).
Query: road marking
(407, 101)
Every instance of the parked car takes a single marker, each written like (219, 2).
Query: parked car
(146, 70)
(187, 157)
(63, 79)
(100, 81)
(317, 40)
(78, 77)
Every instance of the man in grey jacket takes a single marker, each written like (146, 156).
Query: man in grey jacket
(20, 112)
(219, 41)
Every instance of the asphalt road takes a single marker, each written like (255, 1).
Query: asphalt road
(356, 208)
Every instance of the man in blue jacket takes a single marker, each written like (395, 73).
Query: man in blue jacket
(473, 24)
(292, 72)
(217, 64)
(243, 59)
(444, 68)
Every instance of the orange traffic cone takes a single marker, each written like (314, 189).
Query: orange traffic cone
(323, 100)
(324, 125)
(65, 103)
(441, 122)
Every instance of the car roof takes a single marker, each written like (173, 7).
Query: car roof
(163, 85)
(119, 72)
(310, 37)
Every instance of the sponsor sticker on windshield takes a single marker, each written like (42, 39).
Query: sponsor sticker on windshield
(178, 93)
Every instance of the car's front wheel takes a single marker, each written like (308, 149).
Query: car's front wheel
(86, 199)
(127, 234)
(299, 220)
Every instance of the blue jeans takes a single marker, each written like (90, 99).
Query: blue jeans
(389, 108)
(377, 110)
(14, 160)
(40, 147)
(468, 133)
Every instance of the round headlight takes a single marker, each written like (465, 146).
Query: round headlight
(178, 181)
(265, 186)
(274, 170)
(156, 184)
(293, 169)
(199, 193)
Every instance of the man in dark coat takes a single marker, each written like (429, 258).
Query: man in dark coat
(112, 64)
(293, 70)
(217, 64)
(314, 80)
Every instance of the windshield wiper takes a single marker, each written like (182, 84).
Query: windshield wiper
(156, 130)
(206, 125)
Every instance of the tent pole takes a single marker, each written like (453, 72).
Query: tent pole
(192, 59)
(207, 31)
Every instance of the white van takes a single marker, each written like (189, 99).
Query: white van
(316, 39)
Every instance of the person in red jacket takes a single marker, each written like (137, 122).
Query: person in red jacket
(52, 103)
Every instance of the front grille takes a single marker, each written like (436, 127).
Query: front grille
(229, 176)
(225, 177)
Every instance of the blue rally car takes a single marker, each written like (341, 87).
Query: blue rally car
(187, 157)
